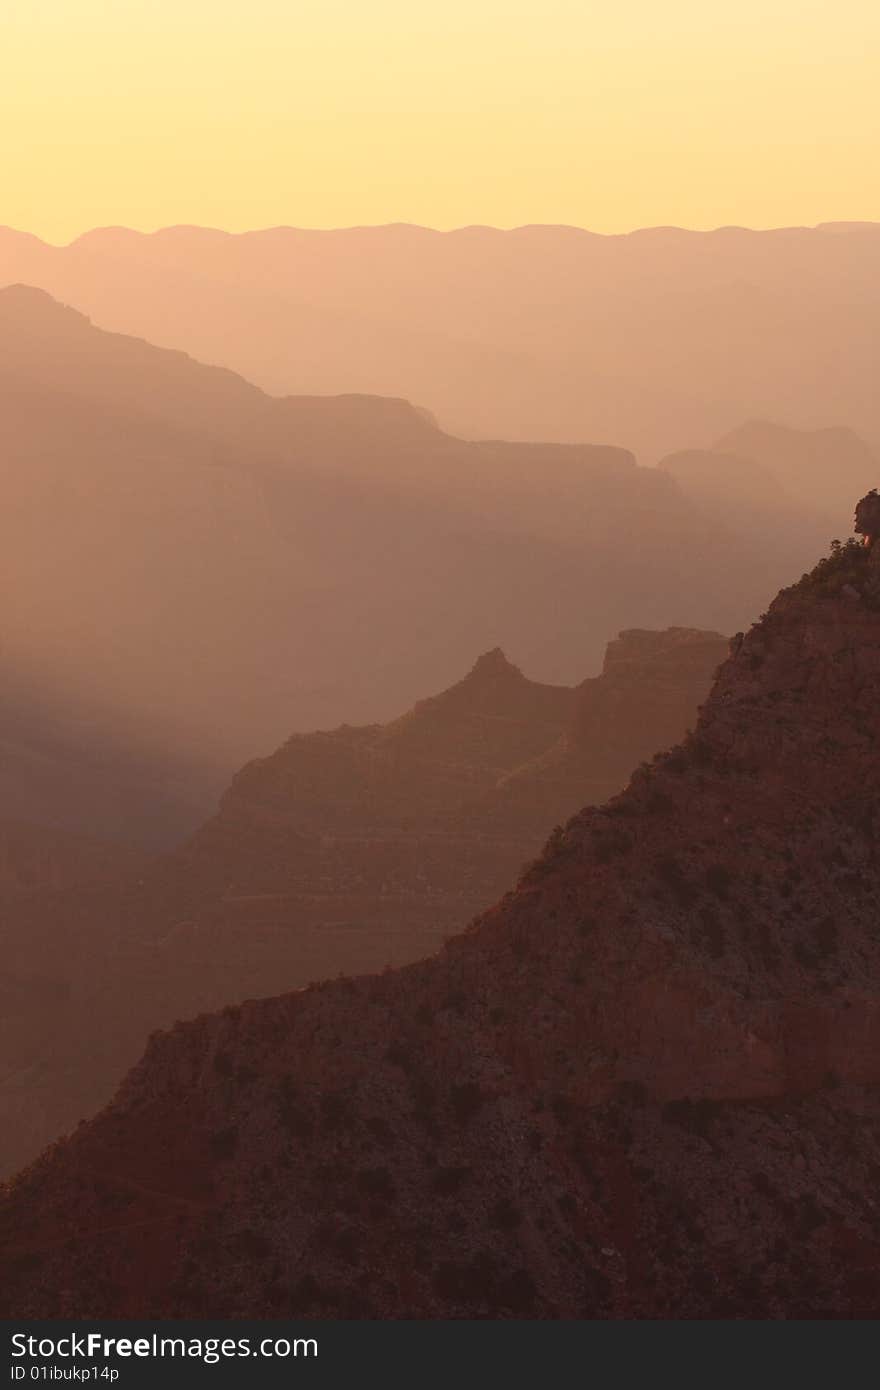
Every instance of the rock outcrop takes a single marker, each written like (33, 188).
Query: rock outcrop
(344, 851)
(651, 685)
(646, 1084)
(868, 518)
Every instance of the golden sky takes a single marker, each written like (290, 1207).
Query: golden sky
(609, 114)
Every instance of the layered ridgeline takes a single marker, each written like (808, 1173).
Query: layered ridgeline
(496, 756)
(658, 339)
(645, 1084)
(768, 479)
(344, 851)
(645, 699)
(194, 568)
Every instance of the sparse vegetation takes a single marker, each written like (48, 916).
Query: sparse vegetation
(846, 564)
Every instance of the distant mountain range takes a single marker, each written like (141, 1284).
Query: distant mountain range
(192, 568)
(764, 476)
(658, 340)
(629, 1089)
(345, 850)
(643, 1085)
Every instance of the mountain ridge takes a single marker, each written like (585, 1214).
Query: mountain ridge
(175, 229)
(345, 850)
(276, 533)
(698, 329)
(631, 1089)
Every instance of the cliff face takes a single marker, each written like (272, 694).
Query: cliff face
(645, 1084)
(647, 696)
(370, 829)
(346, 850)
(418, 770)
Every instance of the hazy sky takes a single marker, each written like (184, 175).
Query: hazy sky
(245, 113)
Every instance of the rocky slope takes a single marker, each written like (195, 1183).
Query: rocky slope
(344, 851)
(644, 700)
(646, 1084)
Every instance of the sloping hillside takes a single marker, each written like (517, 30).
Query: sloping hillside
(646, 1084)
(344, 851)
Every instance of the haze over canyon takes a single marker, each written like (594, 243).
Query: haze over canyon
(439, 801)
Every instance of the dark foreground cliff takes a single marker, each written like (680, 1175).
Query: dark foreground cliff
(345, 851)
(646, 1084)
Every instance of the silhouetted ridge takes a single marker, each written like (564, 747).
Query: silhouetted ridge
(32, 300)
(656, 338)
(630, 1090)
(346, 850)
(491, 673)
(27, 308)
(493, 664)
(648, 693)
(380, 424)
(280, 534)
